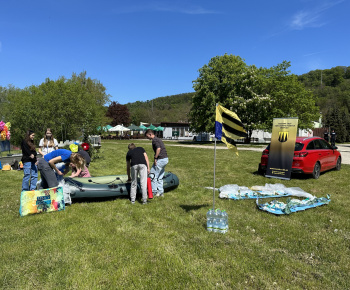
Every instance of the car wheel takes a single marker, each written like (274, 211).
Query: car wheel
(317, 171)
(338, 166)
(260, 170)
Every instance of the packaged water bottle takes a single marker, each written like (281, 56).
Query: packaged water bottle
(210, 220)
(225, 221)
(217, 216)
(214, 219)
(222, 224)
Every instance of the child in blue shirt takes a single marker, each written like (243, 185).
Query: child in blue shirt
(49, 161)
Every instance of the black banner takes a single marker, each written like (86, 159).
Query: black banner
(284, 133)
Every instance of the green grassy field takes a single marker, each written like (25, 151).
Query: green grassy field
(112, 244)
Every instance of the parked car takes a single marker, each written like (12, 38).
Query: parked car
(312, 155)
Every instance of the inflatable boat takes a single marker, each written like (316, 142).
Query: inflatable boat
(110, 186)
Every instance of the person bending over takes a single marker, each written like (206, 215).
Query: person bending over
(137, 163)
(49, 161)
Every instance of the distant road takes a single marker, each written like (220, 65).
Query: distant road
(345, 153)
(343, 149)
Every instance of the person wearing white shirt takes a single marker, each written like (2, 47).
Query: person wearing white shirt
(48, 143)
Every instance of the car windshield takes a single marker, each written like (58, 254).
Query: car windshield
(298, 147)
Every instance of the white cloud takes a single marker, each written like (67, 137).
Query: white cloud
(305, 19)
(182, 8)
(313, 53)
(312, 17)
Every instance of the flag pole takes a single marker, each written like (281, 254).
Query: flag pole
(224, 120)
(214, 164)
(214, 174)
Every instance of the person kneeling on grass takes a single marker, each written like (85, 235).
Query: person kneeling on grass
(48, 162)
(79, 172)
(137, 163)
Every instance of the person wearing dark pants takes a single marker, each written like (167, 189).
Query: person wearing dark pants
(48, 176)
(326, 136)
(47, 166)
(333, 136)
(137, 163)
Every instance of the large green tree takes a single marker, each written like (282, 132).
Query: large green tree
(72, 107)
(256, 95)
(338, 119)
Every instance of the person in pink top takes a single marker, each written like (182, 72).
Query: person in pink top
(79, 172)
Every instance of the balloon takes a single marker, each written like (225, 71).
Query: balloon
(85, 146)
(73, 148)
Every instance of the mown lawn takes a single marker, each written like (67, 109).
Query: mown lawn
(112, 244)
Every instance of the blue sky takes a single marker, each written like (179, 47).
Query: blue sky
(140, 50)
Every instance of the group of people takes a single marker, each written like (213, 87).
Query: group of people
(48, 148)
(333, 136)
(137, 163)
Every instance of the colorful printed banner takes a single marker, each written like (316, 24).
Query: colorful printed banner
(284, 133)
(43, 200)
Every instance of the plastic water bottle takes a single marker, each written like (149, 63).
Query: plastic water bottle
(224, 218)
(210, 220)
(217, 216)
(222, 225)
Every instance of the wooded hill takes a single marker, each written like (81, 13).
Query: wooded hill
(173, 108)
(332, 89)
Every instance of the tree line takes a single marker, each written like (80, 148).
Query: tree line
(257, 95)
(72, 108)
(77, 107)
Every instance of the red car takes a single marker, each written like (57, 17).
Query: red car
(312, 155)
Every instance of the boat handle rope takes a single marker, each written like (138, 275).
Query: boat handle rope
(75, 183)
(117, 178)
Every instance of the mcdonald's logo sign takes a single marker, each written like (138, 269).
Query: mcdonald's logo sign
(283, 136)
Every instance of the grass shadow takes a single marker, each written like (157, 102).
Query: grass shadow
(297, 176)
(98, 199)
(188, 208)
(195, 142)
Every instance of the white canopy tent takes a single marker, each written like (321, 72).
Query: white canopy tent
(119, 128)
